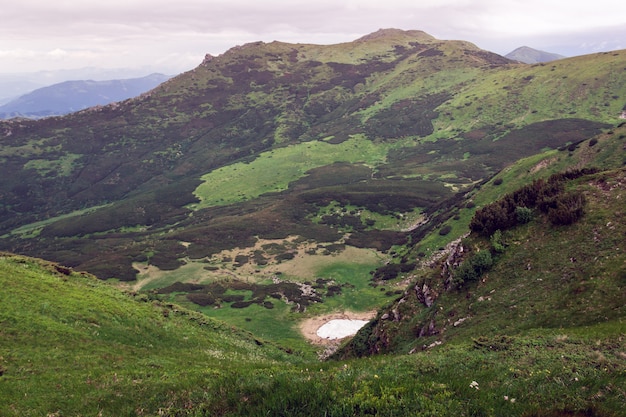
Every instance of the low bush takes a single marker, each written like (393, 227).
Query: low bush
(473, 268)
(524, 214)
(517, 207)
(445, 230)
(567, 209)
(201, 299)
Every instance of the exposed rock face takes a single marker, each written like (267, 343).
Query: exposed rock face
(453, 260)
(425, 295)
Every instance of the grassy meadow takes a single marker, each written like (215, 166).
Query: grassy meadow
(72, 345)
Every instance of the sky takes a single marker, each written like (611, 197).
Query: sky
(173, 36)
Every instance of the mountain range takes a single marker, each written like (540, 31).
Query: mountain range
(471, 200)
(71, 96)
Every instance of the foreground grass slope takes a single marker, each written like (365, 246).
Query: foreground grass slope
(71, 345)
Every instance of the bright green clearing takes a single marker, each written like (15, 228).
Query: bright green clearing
(33, 229)
(272, 171)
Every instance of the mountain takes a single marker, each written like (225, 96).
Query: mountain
(14, 85)
(472, 202)
(529, 55)
(397, 124)
(71, 96)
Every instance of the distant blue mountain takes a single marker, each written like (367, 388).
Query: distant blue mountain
(529, 55)
(71, 96)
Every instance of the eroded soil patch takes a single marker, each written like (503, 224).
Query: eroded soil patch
(309, 327)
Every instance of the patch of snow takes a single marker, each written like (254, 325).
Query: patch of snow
(338, 329)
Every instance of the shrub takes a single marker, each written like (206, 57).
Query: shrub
(523, 214)
(482, 262)
(241, 304)
(201, 299)
(473, 268)
(445, 230)
(497, 243)
(567, 209)
(503, 214)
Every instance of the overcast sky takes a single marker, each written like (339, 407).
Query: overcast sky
(172, 36)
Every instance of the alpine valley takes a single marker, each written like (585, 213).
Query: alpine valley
(472, 206)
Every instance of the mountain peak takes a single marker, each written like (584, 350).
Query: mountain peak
(396, 33)
(529, 55)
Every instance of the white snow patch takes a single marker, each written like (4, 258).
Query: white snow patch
(338, 329)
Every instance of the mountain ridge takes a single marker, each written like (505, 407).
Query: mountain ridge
(268, 96)
(71, 96)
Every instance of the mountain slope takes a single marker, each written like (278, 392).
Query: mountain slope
(71, 345)
(543, 272)
(278, 182)
(427, 111)
(71, 96)
(74, 346)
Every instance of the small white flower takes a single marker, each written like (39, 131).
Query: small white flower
(506, 398)
(474, 384)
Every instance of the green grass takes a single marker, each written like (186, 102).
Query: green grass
(272, 171)
(279, 324)
(74, 345)
(33, 229)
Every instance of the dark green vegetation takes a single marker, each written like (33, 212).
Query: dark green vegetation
(531, 275)
(432, 118)
(476, 203)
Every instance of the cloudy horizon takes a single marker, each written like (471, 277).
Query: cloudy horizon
(172, 37)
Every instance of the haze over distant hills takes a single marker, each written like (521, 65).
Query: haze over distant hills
(13, 85)
(71, 96)
(529, 55)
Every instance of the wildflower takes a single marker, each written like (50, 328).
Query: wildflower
(375, 376)
(474, 384)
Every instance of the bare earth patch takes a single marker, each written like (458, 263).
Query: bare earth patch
(310, 326)
(303, 267)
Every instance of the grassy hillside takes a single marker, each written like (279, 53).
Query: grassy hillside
(548, 271)
(391, 124)
(71, 345)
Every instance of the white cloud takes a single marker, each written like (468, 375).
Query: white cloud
(58, 53)
(16, 54)
(145, 32)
